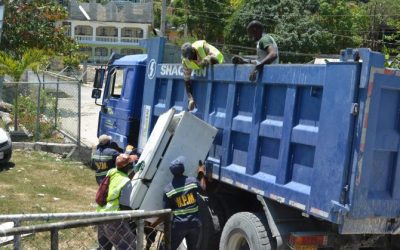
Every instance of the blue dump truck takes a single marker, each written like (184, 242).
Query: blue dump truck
(304, 158)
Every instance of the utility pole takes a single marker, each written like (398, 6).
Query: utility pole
(163, 17)
(185, 31)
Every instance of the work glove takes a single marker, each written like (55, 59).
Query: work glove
(129, 149)
(253, 75)
(191, 105)
(237, 60)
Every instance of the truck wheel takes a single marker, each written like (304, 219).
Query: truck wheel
(245, 231)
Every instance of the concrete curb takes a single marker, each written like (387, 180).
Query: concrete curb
(70, 151)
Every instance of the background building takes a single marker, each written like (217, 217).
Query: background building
(114, 27)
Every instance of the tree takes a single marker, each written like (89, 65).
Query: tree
(203, 19)
(15, 68)
(300, 27)
(341, 22)
(32, 24)
(288, 21)
(383, 29)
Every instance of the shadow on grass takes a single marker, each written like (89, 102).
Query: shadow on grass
(6, 166)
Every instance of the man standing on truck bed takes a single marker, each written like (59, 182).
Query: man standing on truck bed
(196, 56)
(267, 49)
(181, 196)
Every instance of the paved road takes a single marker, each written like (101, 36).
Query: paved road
(68, 108)
(89, 117)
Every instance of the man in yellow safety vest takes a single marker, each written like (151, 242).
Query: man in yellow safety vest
(118, 234)
(196, 56)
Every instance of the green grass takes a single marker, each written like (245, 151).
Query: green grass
(38, 182)
(37, 179)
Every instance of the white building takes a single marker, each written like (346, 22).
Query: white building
(115, 27)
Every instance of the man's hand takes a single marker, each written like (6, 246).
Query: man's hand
(205, 62)
(253, 75)
(238, 60)
(259, 66)
(201, 170)
(129, 149)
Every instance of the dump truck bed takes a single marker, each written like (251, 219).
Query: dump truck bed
(320, 138)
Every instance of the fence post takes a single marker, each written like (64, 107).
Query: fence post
(17, 238)
(38, 115)
(140, 234)
(54, 239)
(56, 105)
(167, 231)
(79, 114)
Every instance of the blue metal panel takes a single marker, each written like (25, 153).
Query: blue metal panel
(377, 180)
(333, 148)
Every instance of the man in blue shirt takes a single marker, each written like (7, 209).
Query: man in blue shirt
(104, 157)
(181, 196)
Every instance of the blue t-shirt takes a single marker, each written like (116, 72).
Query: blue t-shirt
(181, 197)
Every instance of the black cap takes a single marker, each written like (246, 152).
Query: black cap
(177, 166)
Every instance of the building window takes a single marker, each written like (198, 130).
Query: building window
(101, 51)
(82, 30)
(86, 50)
(131, 51)
(107, 31)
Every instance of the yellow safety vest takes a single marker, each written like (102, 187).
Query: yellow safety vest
(118, 180)
(199, 47)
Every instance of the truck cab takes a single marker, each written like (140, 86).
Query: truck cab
(120, 111)
(121, 101)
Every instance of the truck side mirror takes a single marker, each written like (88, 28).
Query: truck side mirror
(99, 78)
(96, 93)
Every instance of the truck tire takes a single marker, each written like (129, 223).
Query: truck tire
(245, 231)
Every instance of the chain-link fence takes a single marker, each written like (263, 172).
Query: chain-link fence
(123, 230)
(46, 110)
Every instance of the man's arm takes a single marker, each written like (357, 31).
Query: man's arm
(268, 59)
(271, 56)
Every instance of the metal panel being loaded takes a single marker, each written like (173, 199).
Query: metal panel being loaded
(191, 138)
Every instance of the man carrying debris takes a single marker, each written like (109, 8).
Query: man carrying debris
(196, 56)
(267, 50)
(181, 196)
(118, 234)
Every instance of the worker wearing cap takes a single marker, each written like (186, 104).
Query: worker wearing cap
(181, 197)
(119, 234)
(196, 56)
(104, 157)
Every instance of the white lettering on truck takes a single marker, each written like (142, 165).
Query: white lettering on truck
(177, 70)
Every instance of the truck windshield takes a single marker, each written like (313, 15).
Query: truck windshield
(116, 82)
